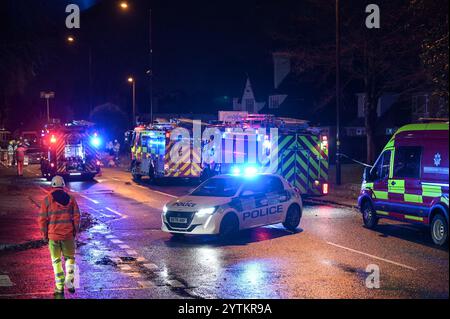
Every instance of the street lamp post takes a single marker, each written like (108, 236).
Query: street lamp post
(124, 6)
(71, 40)
(133, 82)
(338, 93)
(47, 96)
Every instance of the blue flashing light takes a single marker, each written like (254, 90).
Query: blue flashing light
(96, 141)
(236, 170)
(250, 171)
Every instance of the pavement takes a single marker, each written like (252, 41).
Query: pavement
(122, 252)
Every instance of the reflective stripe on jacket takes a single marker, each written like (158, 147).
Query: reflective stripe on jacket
(59, 222)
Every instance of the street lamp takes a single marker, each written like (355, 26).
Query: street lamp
(133, 82)
(124, 6)
(71, 40)
(48, 96)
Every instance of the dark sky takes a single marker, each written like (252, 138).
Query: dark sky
(203, 50)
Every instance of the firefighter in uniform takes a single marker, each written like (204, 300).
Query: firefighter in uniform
(11, 153)
(20, 158)
(59, 222)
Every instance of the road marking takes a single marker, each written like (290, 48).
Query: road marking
(124, 246)
(110, 236)
(134, 274)
(124, 267)
(175, 283)
(116, 241)
(116, 212)
(5, 281)
(372, 256)
(166, 194)
(150, 266)
(146, 284)
(158, 192)
(131, 252)
(141, 259)
(90, 199)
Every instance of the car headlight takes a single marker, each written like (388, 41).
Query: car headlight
(165, 209)
(206, 211)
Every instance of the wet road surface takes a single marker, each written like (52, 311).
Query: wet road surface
(123, 254)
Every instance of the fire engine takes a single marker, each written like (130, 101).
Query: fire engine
(70, 150)
(260, 142)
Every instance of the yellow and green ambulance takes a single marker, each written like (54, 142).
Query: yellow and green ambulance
(409, 180)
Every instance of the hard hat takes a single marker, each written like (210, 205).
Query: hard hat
(58, 181)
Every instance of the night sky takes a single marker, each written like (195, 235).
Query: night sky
(203, 52)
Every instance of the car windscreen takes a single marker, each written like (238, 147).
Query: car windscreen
(218, 187)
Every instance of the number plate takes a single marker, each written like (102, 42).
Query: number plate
(178, 220)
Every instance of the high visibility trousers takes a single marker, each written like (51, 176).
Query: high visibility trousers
(20, 168)
(66, 248)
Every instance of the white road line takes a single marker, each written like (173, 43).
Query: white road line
(90, 199)
(165, 194)
(141, 259)
(5, 281)
(158, 192)
(372, 256)
(131, 252)
(124, 267)
(116, 212)
(150, 266)
(175, 283)
(116, 241)
(124, 246)
(110, 236)
(134, 274)
(146, 284)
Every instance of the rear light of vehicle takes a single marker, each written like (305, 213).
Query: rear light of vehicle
(325, 188)
(324, 142)
(98, 163)
(52, 164)
(53, 139)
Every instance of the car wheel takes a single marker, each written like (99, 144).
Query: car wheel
(136, 177)
(439, 230)
(293, 217)
(229, 226)
(370, 218)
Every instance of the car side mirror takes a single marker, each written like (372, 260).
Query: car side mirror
(366, 175)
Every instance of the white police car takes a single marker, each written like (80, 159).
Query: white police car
(225, 204)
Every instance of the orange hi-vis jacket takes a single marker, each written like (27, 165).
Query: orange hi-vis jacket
(58, 221)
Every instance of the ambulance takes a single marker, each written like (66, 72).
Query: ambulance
(226, 204)
(409, 180)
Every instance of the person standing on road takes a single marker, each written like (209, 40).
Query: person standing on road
(20, 158)
(116, 149)
(11, 153)
(59, 222)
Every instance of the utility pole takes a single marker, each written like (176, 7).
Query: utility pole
(133, 82)
(338, 94)
(48, 96)
(151, 67)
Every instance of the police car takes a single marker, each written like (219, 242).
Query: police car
(225, 204)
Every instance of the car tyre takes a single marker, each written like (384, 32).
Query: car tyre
(136, 177)
(293, 217)
(370, 218)
(229, 226)
(439, 230)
